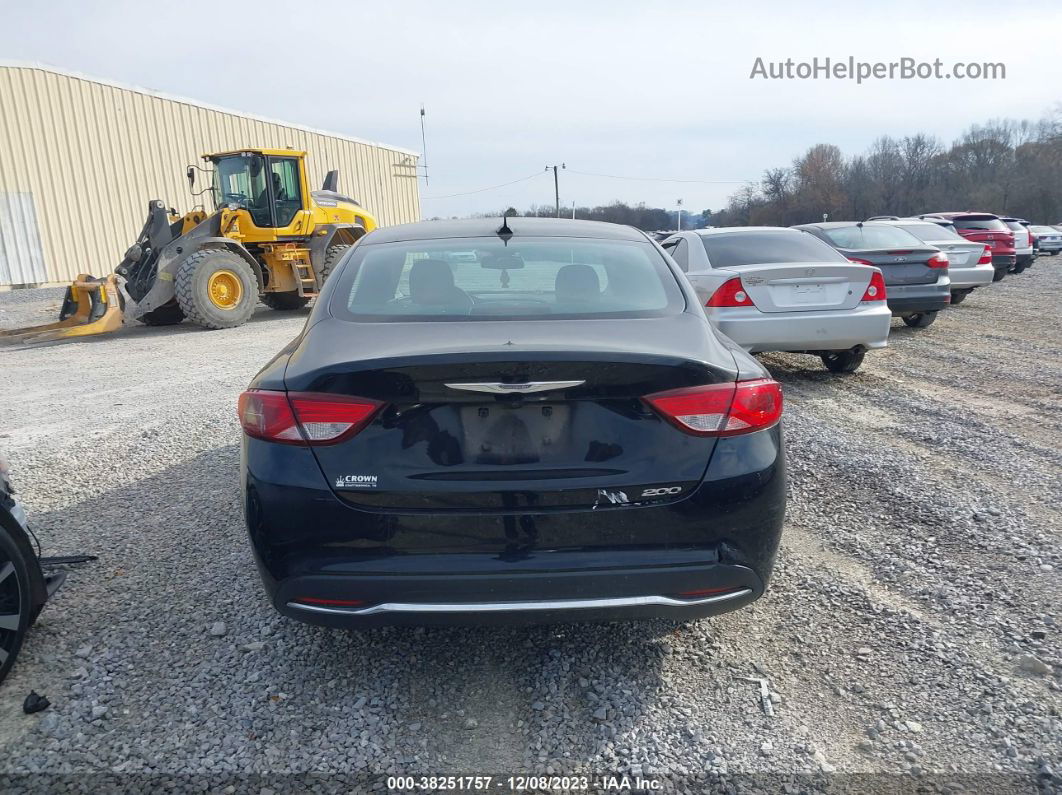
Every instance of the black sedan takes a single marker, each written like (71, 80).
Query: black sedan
(917, 285)
(500, 420)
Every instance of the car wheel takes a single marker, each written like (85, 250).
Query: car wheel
(216, 288)
(17, 567)
(998, 275)
(920, 320)
(1018, 268)
(842, 361)
(958, 296)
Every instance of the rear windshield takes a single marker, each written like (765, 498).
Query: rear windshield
(486, 279)
(929, 232)
(734, 249)
(1045, 230)
(980, 224)
(1015, 226)
(871, 236)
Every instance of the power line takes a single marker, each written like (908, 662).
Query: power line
(492, 187)
(662, 179)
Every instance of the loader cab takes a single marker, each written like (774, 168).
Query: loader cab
(269, 184)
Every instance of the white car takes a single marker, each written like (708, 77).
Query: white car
(969, 263)
(775, 289)
(1023, 247)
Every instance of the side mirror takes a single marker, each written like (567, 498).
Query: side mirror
(191, 177)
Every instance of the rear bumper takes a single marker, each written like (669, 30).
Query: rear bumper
(906, 299)
(1003, 261)
(507, 597)
(463, 566)
(1052, 247)
(866, 325)
(1023, 259)
(973, 276)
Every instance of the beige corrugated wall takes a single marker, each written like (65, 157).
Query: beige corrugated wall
(81, 158)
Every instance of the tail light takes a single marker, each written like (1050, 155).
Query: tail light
(876, 289)
(986, 256)
(710, 592)
(858, 261)
(303, 417)
(313, 600)
(721, 409)
(730, 293)
(938, 260)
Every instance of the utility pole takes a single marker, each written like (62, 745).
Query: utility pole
(573, 210)
(423, 146)
(680, 215)
(556, 188)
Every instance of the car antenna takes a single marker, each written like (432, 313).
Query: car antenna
(504, 232)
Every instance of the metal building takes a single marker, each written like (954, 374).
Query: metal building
(80, 158)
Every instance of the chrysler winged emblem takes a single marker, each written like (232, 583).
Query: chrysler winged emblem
(498, 388)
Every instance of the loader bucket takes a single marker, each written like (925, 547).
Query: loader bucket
(91, 306)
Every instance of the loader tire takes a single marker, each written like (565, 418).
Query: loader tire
(285, 301)
(332, 257)
(216, 289)
(166, 315)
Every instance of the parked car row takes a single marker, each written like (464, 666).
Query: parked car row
(555, 420)
(796, 290)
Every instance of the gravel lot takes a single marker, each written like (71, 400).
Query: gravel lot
(912, 626)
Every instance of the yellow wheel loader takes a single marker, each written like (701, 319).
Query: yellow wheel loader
(270, 238)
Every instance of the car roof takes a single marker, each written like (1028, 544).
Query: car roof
(928, 221)
(715, 230)
(951, 216)
(836, 224)
(518, 225)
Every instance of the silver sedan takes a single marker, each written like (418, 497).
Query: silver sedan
(776, 289)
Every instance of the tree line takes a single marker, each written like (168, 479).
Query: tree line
(638, 215)
(1004, 166)
(618, 212)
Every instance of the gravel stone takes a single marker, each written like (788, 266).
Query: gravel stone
(1034, 665)
(218, 628)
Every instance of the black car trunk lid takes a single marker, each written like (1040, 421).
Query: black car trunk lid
(511, 416)
(900, 266)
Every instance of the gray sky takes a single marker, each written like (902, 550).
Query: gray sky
(631, 89)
